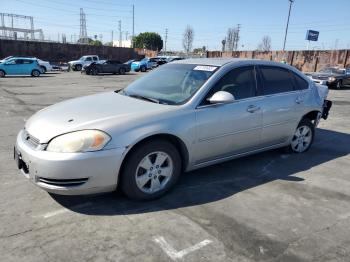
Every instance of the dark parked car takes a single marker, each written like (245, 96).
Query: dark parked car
(110, 66)
(332, 77)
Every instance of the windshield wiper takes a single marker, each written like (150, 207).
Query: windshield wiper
(143, 98)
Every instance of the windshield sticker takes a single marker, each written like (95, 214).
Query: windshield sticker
(205, 68)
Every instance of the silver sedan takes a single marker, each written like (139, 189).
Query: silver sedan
(184, 115)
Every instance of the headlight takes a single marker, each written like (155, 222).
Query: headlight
(79, 141)
(331, 79)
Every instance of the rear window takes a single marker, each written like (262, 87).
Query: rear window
(276, 80)
(301, 83)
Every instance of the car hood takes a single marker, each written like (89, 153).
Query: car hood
(100, 111)
(326, 75)
(75, 61)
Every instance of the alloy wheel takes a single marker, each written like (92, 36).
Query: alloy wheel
(301, 139)
(154, 172)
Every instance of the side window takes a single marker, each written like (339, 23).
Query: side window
(27, 61)
(276, 80)
(12, 62)
(19, 61)
(94, 58)
(301, 84)
(88, 59)
(240, 82)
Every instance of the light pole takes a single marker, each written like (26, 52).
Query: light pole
(285, 35)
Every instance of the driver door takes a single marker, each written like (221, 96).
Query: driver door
(224, 130)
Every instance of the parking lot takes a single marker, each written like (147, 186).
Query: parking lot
(271, 206)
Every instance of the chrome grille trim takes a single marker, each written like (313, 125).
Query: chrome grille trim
(31, 140)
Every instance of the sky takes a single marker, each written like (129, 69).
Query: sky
(209, 19)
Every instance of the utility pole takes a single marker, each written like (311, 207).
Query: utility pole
(285, 35)
(120, 32)
(237, 37)
(112, 38)
(166, 39)
(133, 24)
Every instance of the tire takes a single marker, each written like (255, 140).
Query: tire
(141, 174)
(137, 70)
(303, 137)
(2, 73)
(94, 71)
(35, 73)
(143, 69)
(44, 69)
(122, 71)
(78, 67)
(339, 85)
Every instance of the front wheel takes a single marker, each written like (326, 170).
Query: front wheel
(303, 136)
(78, 67)
(151, 170)
(339, 85)
(35, 73)
(143, 69)
(43, 68)
(94, 71)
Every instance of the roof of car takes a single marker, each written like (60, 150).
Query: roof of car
(224, 61)
(19, 57)
(210, 61)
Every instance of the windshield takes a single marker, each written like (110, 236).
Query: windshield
(332, 70)
(171, 84)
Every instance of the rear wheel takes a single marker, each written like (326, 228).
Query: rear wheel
(303, 136)
(151, 170)
(2, 73)
(35, 73)
(143, 69)
(43, 68)
(122, 71)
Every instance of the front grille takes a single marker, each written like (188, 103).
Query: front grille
(62, 182)
(31, 140)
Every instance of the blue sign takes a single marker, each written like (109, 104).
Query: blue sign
(312, 35)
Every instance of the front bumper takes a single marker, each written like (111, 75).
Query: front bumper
(69, 173)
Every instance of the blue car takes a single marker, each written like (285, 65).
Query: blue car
(141, 65)
(20, 66)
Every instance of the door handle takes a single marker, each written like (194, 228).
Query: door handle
(252, 108)
(299, 100)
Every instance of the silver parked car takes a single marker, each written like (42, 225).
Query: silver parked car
(184, 115)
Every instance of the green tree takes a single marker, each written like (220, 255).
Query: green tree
(148, 40)
(95, 42)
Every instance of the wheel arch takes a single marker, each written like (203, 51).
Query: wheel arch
(312, 115)
(173, 139)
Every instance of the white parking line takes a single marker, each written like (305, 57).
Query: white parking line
(173, 254)
(64, 210)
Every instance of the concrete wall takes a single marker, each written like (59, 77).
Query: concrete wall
(306, 61)
(57, 52)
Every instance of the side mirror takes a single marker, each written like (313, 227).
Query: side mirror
(221, 97)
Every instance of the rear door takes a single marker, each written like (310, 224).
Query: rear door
(228, 129)
(27, 66)
(281, 102)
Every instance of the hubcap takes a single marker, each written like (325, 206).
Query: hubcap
(301, 139)
(154, 172)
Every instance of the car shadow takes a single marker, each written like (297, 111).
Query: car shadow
(220, 181)
(24, 76)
